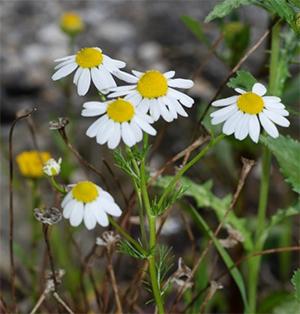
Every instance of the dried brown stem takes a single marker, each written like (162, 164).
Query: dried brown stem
(62, 302)
(11, 208)
(247, 166)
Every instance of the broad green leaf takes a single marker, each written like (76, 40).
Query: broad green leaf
(224, 8)
(204, 197)
(287, 152)
(196, 28)
(235, 273)
(243, 79)
(296, 283)
(287, 307)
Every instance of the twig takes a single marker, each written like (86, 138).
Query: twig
(11, 207)
(84, 162)
(62, 302)
(232, 72)
(45, 232)
(247, 166)
(214, 286)
(114, 283)
(39, 302)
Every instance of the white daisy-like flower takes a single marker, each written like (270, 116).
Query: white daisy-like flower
(88, 202)
(91, 65)
(244, 113)
(121, 119)
(154, 91)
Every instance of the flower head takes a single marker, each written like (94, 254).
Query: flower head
(154, 91)
(244, 113)
(90, 65)
(88, 202)
(52, 167)
(31, 163)
(71, 23)
(121, 119)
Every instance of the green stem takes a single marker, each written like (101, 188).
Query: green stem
(127, 236)
(191, 163)
(152, 240)
(254, 264)
(57, 186)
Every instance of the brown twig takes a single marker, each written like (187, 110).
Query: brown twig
(11, 207)
(234, 69)
(84, 162)
(214, 286)
(247, 166)
(62, 302)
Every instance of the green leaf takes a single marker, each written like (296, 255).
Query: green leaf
(243, 79)
(196, 28)
(204, 197)
(287, 152)
(296, 283)
(235, 273)
(224, 8)
(287, 307)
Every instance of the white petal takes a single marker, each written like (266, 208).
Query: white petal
(94, 105)
(60, 65)
(104, 132)
(129, 78)
(223, 111)
(167, 116)
(271, 99)
(240, 91)
(242, 128)
(169, 74)
(93, 129)
(111, 208)
(91, 112)
(180, 83)
(123, 88)
(154, 109)
(77, 214)
(144, 106)
(89, 217)
(72, 57)
(134, 98)
(224, 117)
(171, 106)
(144, 125)
(106, 195)
(127, 134)
(273, 104)
(102, 79)
(114, 63)
(121, 93)
(277, 118)
(230, 125)
(64, 71)
(66, 199)
(225, 101)
(115, 137)
(84, 82)
(268, 125)
(259, 89)
(69, 206)
(186, 100)
(254, 128)
(282, 112)
(77, 75)
(100, 215)
(137, 73)
(172, 102)
(136, 130)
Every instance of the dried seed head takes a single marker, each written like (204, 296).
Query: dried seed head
(182, 275)
(49, 216)
(108, 239)
(50, 286)
(234, 237)
(58, 124)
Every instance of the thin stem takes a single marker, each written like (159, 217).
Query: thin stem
(127, 236)
(254, 264)
(57, 186)
(191, 163)
(152, 238)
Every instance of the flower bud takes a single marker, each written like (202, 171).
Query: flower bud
(71, 23)
(52, 167)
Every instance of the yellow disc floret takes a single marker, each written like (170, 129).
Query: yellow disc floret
(120, 110)
(250, 103)
(85, 192)
(71, 23)
(89, 57)
(31, 163)
(152, 84)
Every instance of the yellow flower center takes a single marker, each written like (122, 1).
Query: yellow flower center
(31, 163)
(152, 84)
(120, 110)
(85, 192)
(89, 57)
(71, 23)
(250, 103)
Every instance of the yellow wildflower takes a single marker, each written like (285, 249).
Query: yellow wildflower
(71, 23)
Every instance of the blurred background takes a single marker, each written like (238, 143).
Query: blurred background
(146, 35)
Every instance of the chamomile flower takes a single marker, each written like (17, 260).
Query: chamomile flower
(90, 65)
(154, 91)
(244, 113)
(71, 23)
(121, 119)
(88, 202)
